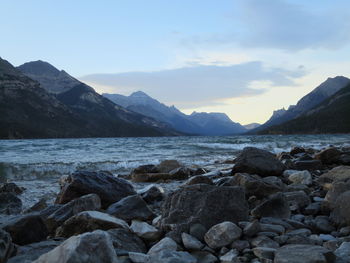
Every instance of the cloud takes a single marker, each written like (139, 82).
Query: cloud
(280, 24)
(196, 86)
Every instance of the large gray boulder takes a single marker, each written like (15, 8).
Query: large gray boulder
(204, 204)
(303, 253)
(256, 161)
(131, 207)
(84, 203)
(89, 221)
(108, 187)
(94, 247)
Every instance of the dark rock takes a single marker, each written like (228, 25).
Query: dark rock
(10, 203)
(155, 177)
(84, 203)
(276, 206)
(168, 165)
(204, 204)
(198, 231)
(199, 179)
(108, 187)
(152, 193)
(131, 207)
(264, 241)
(308, 165)
(33, 251)
(144, 169)
(322, 225)
(145, 231)
(11, 188)
(87, 221)
(341, 213)
(180, 173)
(328, 156)
(169, 256)
(297, 150)
(38, 206)
(124, 241)
(297, 199)
(343, 253)
(6, 246)
(252, 228)
(303, 253)
(26, 229)
(256, 161)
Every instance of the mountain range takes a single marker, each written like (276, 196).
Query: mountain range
(198, 123)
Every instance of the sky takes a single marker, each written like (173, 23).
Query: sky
(242, 57)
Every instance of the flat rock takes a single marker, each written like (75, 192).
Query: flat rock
(108, 187)
(222, 234)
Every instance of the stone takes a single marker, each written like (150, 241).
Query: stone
(276, 206)
(341, 212)
(339, 173)
(181, 173)
(256, 161)
(38, 206)
(152, 193)
(272, 228)
(10, 203)
(138, 257)
(125, 241)
(7, 248)
(87, 221)
(154, 177)
(298, 199)
(313, 208)
(198, 231)
(164, 244)
(222, 234)
(230, 257)
(94, 247)
(144, 169)
(309, 165)
(300, 177)
(145, 231)
(26, 229)
(296, 150)
(264, 252)
(204, 257)
(321, 224)
(11, 188)
(129, 208)
(252, 228)
(204, 204)
(84, 203)
(335, 190)
(264, 241)
(343, 253)
(168, 165)
(170, 256)
(299, 232)
(330, 155)
(191, 243)
(31, 252)
(199, 179)
(303, 253)
(108, 187)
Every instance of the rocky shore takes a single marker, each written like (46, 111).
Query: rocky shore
(293, 207)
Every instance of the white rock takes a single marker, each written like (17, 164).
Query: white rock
(144, 230)
(300, 177)
(165, 244)
(222, 234)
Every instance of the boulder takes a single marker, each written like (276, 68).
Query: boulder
(170, 256)
(222, 235)
(191, 243)
(256, 161)
(164, 244)
(144, 169)
(303, 253)
(199, 179)
(129, 208)
(145, 231)
(330, 155)
(337, 174)
(26, 229)
(168, 165)
(296, 150)
(335, 190)
(297, 199)
(341, 212)
(89, 221)
(276, 206)
(152, 193)
(87, 202)
(33, 251)
(307, 165)
(108, 187)
(343, 253)
(11, 188)
(125, 241)
(95, 247)
(204, 204)
(7, 248)
(300, 177)
(10, 203)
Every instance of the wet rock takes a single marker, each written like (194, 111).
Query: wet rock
(276, 206)
(11, 188)
(303, 253)
(297, 199)
(191, 243)
(33, 251)
(10, 203)
(154, 177)
(6, 246)
(341, 213)
(256, 161)
(222, 234)
(129, 208)
(168, 165)
(204, 204)
(145, 231)
(170, 256)
(26, 229)
(328, 156)
(84, 203)
(300, 177)
(124, 241)
(152, 193)
(343, 253)
(264, 252)
(108, 187)
(94, 247)
(89, 221)
(340, 173)
(199, 179)
(164, 244)
(308, 165)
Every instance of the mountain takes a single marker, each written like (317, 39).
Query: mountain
(196, 123)
(28, 111)
(330, 116)
(315, 97)
(251, 126)
(32, 108)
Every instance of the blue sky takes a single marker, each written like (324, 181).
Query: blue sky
(242, 57)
